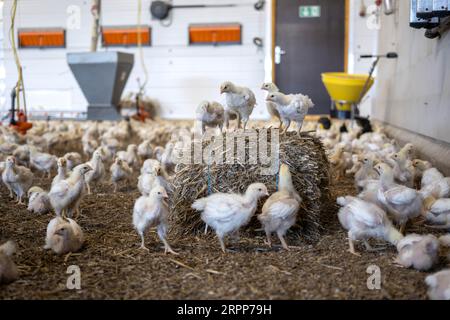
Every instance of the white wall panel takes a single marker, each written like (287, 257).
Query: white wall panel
(180, 76)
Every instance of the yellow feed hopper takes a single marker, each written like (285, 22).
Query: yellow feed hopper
(345, 89)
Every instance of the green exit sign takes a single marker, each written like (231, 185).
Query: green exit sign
(309, 11)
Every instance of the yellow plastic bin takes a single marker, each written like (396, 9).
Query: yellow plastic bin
(345, 89)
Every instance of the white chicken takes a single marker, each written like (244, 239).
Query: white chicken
(366, 172)
(38, 201)
(98, 170)
(437, 212)
(427, 171)
(402, 168)
(210, 114)
(17, 179)
(402, 203)
(63, 236)
(226, 213)
(364, 220)
(279, 212)
(130, 156)
(292, 107)
(420, 252)
(43, 162)
(151, 211)
(22, 155)
(120, 171)
(66, 195)
(439, 188)
(62, 172)
(239, 100)
(439, 285)
(271, 106)
(73, 159)
(8, 269)
(145, 150)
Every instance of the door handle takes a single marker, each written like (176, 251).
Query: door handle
(278, 53)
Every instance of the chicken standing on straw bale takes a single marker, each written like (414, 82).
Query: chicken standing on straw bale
(226, 213)
(364, 220)
(17, 179)
(292, 107)
(151, 211)
(8, 269)
(271, 106)
(279, 212)
(240, 101)
(66, 194)
(210, 114)
(63, 236)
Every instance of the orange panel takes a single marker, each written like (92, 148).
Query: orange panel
(42, 38)
(215, 34)
(126, 36)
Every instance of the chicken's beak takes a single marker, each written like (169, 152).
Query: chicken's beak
(221, 91)
(165, 196)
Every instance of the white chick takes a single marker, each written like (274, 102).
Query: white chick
(130, 156)
(150, 177)
(337, 161)
(438, 189)
(428, 173)
(437, 211)
(151, 211)
(42, 161)
(158, 152)
(63, 236)
(292, 107)
(63, 172)
(239, 100)
(98, 170)
(271, 106)
(279, 212)
(17, 179)
(167, 158)
(403, 171)
(38, 201)
(120, 171)
(73, 159)
(66, 195)
(402, 203)
(8, 269)
(364, 220)
(439, 285)
(226, 213)
(366, 172)
(420, 252)
(145, 150)
(22, 155)
(8, 148)
(210, 114)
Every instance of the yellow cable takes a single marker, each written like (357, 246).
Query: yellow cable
(19, 85)
(141, 51)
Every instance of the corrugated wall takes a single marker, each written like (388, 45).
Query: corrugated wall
(413, 92)
(180, 75)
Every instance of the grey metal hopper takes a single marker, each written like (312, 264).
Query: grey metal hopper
(102, 76)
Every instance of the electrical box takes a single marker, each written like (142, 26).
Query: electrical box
(417, 22)
(42, 38)
(425, 9)
(441, 8)
(125, 36)
(215, 34)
